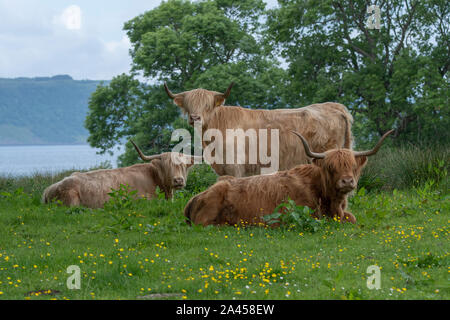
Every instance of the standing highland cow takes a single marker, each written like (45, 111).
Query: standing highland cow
(325, 126)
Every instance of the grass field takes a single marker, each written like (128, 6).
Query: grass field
(132, 249)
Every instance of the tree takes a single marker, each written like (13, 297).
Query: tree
(396, 76)
(190, 45)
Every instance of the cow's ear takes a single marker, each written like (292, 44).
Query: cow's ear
(190, 164)
(219, 100)
(188, 161)
(361, 161)
(178, 101)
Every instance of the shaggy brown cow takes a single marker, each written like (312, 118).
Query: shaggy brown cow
(325, 126)
(167, 171)
(323, 186)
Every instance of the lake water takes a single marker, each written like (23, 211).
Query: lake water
(26, 160)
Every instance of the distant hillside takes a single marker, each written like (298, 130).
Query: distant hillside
(44, 110)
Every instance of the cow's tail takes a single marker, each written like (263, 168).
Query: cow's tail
(44, 196)
(348, 138)
(58, 191)
(48, 194)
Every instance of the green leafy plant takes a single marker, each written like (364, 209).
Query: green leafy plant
(121, 198)
(76, 210)
(200, 178)
(427, 190)
(289, 214)
(438, 170)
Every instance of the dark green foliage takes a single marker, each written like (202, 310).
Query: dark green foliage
(44, 110)
(290, 215)
(407, 166)
(396, 76)
(200, 178)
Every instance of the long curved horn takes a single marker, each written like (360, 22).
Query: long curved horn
(375, 149)
(144, 157)
(169, 93)
(227, 93)
(308, 151)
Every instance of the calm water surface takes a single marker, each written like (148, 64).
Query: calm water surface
(25, 160)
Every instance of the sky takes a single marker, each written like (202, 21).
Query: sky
(81, 38)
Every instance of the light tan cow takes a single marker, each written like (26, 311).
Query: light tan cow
(322, 186)
(168, 171)
(325, 126)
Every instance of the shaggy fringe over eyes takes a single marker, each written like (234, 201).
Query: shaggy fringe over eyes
(199, 99)
(340, 159)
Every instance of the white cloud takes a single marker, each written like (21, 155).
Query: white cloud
(70, 18)
(45, 38)
(123, 45)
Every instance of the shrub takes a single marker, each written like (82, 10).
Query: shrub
(289, 214)
(407, 167)
(200, 178)
(121, 198)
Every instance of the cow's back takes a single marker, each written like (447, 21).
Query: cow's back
(326, 126)
(91, 188)
(96, 185)
(248, 199)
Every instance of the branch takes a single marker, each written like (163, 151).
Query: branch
(338, 6)
(360, 23)
(403, 34)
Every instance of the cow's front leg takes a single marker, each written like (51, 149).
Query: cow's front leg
(337, 212)
(348, 217)
(168, 194)
(317, 214)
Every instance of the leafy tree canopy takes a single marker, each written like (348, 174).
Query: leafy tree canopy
(190, 45)
(395, 76)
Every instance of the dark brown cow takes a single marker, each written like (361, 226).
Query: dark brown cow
(323, 186)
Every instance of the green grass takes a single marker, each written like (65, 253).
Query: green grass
(146, 248)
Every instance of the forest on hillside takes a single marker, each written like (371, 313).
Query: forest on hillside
(44, 110)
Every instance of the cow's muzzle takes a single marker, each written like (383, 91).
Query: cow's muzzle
(178, 182)
(193, 118)
(346, 184)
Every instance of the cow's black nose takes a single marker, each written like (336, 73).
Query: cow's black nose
(194, 117)
(178, 181)
(347, 181)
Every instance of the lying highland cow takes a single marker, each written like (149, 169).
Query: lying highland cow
(323, 186)
(167, 171)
